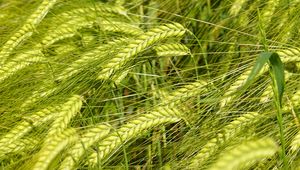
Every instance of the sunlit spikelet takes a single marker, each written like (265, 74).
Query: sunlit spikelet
(132, 129)
(246, 154)
(229, 131)
(51, 149)
(27, 29)
(87, 139)
(172, 49)
(138, 45)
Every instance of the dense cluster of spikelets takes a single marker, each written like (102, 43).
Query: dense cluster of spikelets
(146, 84)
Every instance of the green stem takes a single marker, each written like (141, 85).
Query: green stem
(282, 139)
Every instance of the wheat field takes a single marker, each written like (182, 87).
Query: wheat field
(149, 84)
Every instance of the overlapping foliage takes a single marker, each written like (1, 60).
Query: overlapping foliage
(135, 84)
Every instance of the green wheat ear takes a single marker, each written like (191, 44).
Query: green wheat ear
(26, 30)
(89, 58)
(65, 114)
(19, 62)
(172, 49)
(228, 133)
(16, 134)
(88, 137)
(133, 129)
(236, 7)
(53, 148)
(246, 154)
(138, 45)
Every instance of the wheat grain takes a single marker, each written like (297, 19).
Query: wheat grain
(120, 27)
(132, 129)
(87, 139)
(268, 12)
(295, 144)
(295, 101)
(246, 154)
(36, 95)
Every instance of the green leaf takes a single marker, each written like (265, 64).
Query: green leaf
(276, 71)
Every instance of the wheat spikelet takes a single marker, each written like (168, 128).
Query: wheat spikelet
(20, 145)
(229, 131)
(236, 7)
(132, 129)
(172, 49)
(66, 112)
(187, 91)
(268, 11)
(87, 139)
(295, 144)
(295, 101)
(19, 62)
(36, 95)
(120, 27)
(66, 30)
(25, 126)
(89, 57)
(138, 45)
(93, 11)
(52, 148)
(289, 55)
(246, 154)
(26, 30)
(237, 84)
